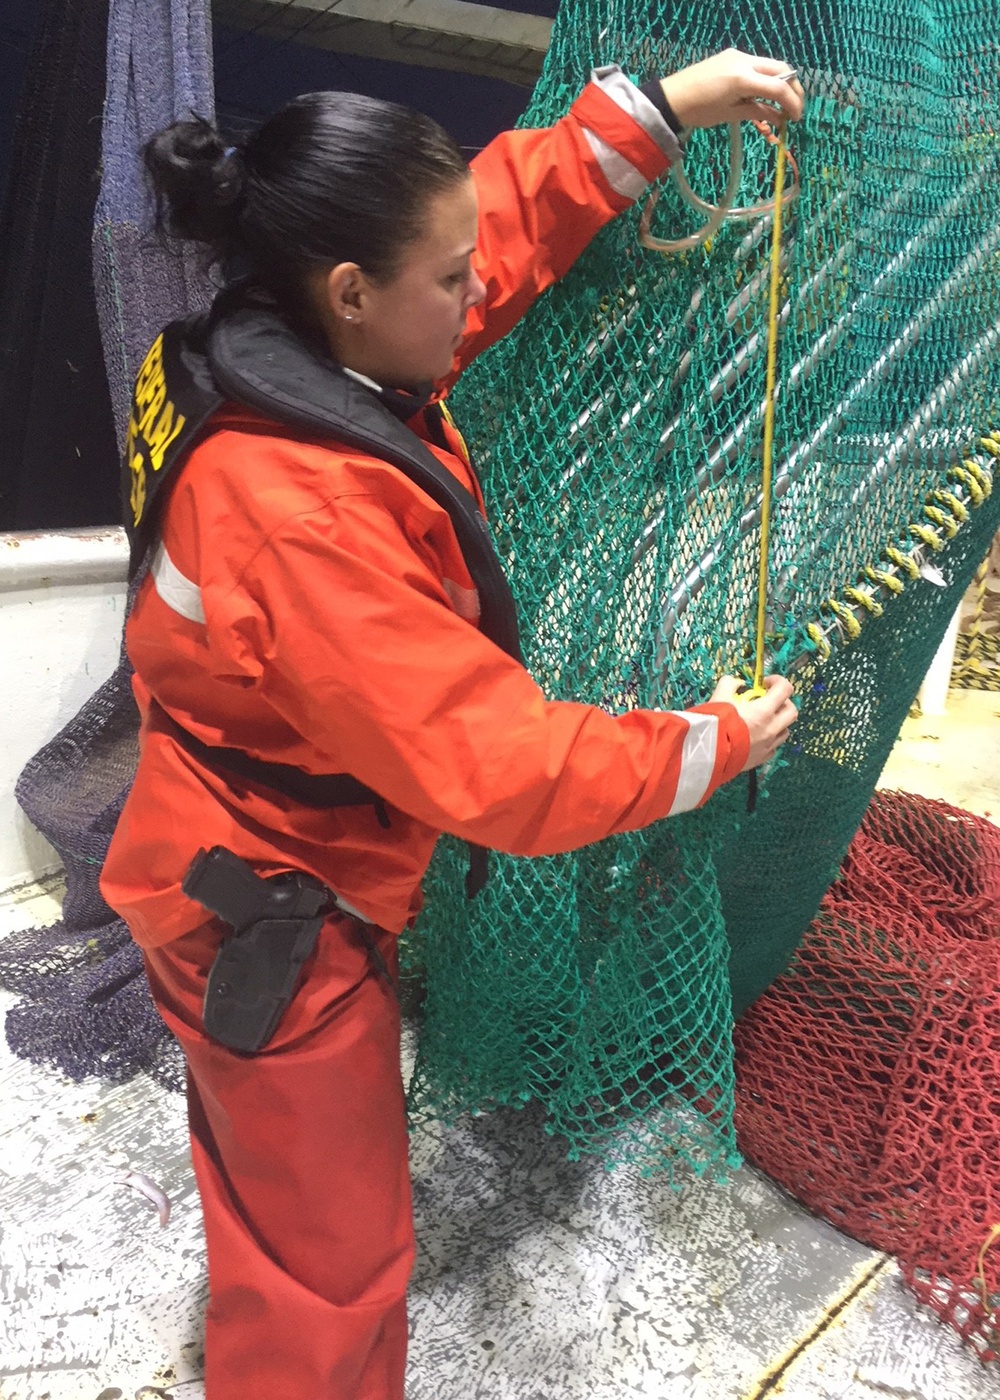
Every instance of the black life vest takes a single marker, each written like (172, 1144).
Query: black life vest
(243, 351)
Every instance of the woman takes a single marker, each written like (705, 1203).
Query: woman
(327, 665)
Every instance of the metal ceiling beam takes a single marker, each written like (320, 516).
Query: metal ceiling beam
(451, 34)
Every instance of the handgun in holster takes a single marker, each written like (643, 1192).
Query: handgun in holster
(276, 921)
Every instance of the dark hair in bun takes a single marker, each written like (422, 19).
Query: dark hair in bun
(333, 177)
(199, 183)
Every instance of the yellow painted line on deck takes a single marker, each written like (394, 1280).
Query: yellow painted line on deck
(868, 1274)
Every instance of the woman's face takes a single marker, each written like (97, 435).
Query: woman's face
(405, 331)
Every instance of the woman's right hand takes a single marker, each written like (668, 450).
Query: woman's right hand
(733, 86)
(768, 718)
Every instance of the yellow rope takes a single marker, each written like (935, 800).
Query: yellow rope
(773, 320)
(927, 535)
(971, 483)
(958, 509)
(943, 520)
(906, 562)
(984, 1294)
(863, 599)
(845, 617)
(977, 481)
(977, 469)
(818, 638)
(884, 579)
(944, 512)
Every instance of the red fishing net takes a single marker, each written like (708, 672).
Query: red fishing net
(869, 1073)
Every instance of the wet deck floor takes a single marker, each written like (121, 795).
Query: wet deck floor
(536, 1277)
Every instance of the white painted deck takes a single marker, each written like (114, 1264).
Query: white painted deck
(536, 1277)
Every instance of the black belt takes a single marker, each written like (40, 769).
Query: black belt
(318, 790)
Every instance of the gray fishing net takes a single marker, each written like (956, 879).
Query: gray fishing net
(84, 1004)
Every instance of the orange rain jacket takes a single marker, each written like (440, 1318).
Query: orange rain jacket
(310, 604)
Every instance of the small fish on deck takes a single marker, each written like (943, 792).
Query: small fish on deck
(145, 1186)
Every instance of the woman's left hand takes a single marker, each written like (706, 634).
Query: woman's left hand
(733, 86)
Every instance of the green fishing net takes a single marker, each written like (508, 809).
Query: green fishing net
(618, 430)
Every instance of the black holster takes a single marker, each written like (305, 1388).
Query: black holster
(275, 921)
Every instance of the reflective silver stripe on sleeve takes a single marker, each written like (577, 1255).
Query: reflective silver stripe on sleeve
(620, 173)
(612, 81)
(177, 591)
(697, 760)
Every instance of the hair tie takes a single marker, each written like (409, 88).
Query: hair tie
(230, 181)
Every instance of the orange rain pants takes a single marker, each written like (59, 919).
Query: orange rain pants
(300, 1154)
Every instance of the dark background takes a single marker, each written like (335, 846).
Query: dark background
(58, 466)
(18, 23)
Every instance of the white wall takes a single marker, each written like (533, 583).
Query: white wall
(62, 606)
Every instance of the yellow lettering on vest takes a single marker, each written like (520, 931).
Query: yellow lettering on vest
(153, 425)
(153, 360)
(153, 406)
(165, 432)
(150, 372)
(137, 495)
